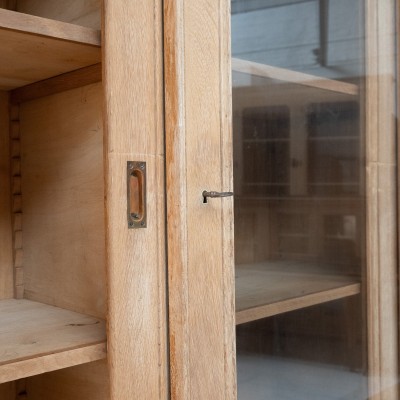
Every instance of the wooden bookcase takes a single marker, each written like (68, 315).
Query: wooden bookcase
(74, 284)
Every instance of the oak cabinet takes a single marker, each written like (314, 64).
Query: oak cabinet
(120, 277)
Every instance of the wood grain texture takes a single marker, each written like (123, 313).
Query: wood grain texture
(60, 83)
(7, 391)
(62, 182)
(83, 382)
(198, 145)
(6, 252)
(8, 4)
(80, 12)
(29, 24)
(34, 48)
(282, 74)
(382, 269)
(133, 79)
(31, 335)
(53, 362)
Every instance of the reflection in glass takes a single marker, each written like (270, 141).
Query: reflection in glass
(299, 158)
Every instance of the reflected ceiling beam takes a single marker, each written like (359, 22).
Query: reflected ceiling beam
(243, 6)
(323, 32)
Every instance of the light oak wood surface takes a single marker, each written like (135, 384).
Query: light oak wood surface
(264, 290)
(282, 74)
(82, 382)
(60, 83)
(35, 48)
(136, 263)
(200, 236)
(6, 252)
(382, 253)
(79, 12)
(63, 200)
(36, 338)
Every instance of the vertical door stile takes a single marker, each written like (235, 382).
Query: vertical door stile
(228, 210)
(200, 235)
(136, 265)
(382, 274)
(176, 199)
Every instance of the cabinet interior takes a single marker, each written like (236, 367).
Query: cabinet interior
(52, 223)
(299, 157)
(308, 214)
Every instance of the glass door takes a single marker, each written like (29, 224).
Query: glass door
(310, 241)
(313, 94)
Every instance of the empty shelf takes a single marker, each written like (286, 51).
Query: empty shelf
(34, 48)
(286, 75)
(262, 291)
(37, 338)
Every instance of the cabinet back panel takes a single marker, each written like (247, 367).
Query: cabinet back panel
(8, 4)
(63, 200)
(80, 12)
(6, 257)
(7, 391)
(84, 382)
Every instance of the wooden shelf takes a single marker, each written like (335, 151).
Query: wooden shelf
(286, 75)
(332, 138)
(264, 290)
(36, 338)
(34, 48)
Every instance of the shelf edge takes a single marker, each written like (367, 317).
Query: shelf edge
(52, 362)
(286, 75)
(33, 25)
(60, 83)
(296, 303)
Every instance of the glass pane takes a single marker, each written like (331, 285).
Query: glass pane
(299, 136)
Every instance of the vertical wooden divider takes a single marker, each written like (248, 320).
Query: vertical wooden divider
(133, 85)
(200, 236)
(382, 257)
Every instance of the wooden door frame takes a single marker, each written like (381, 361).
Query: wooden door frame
(136, 261)
(200, 236)
(197, 39)
(381, 281)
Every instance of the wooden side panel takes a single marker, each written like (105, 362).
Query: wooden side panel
(80, 12)
(84, 382)
(132, 49)
(200, 236)
(6, 255)
(63, 202)
(382, 262)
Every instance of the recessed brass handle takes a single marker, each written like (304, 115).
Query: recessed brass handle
(136, 196)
